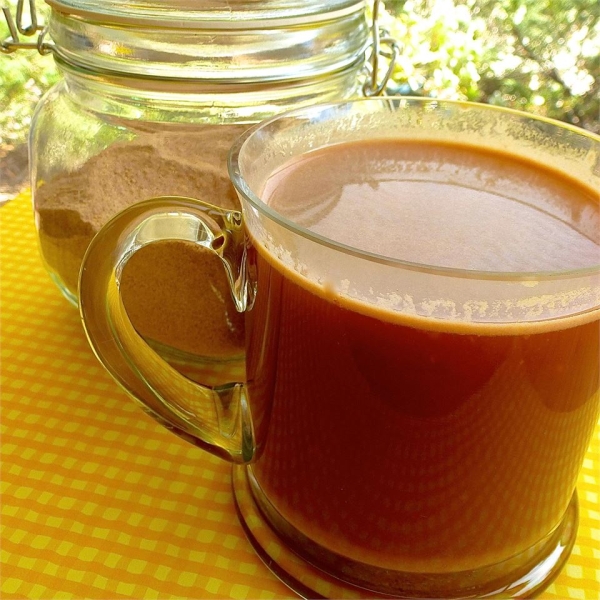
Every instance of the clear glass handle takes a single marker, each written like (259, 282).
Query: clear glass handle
(216, 419)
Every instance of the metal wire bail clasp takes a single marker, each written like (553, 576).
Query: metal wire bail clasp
(381, 37)
(13, 42)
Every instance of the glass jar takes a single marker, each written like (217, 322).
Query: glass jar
(152, 96)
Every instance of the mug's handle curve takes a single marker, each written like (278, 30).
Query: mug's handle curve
(217, 419)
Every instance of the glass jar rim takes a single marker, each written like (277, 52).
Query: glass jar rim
(211, 14)
(200, 50)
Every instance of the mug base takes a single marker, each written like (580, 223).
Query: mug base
(524, 576)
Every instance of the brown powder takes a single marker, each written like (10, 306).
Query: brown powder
(175, 293)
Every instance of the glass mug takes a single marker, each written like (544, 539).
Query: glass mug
(403, 429)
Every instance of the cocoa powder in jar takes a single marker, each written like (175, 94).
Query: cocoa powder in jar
(175, 293)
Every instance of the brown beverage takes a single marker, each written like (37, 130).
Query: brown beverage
(410, 443)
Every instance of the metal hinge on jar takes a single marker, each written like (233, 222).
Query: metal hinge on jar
(19, 27)
(380, 39)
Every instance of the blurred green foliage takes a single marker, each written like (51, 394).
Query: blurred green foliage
(541, 56)
(25, 75)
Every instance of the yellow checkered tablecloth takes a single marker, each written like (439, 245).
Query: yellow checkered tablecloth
(99, 501)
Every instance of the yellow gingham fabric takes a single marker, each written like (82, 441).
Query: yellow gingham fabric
(99, 501)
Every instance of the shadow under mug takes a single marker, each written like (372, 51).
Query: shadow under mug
(346, 486)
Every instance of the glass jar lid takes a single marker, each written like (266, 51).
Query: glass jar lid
(215, 40)
(220, 13)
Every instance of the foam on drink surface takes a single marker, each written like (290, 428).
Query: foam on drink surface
(445, 206)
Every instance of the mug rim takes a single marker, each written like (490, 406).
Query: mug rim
(243, 188)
